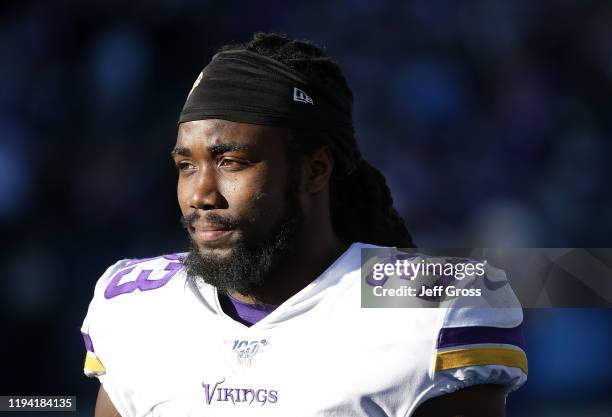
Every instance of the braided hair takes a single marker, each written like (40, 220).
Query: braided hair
(361, 203)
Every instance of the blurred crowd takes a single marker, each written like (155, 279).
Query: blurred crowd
(490, 120)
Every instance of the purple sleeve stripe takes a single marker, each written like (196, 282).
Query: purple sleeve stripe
(459, 336)
(88, 342)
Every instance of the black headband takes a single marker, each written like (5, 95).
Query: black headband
(247, 87)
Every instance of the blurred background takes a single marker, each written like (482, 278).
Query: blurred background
(490, 119)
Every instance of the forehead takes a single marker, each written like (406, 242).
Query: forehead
(215, 131)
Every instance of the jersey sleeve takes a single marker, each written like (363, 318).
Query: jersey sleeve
(481, 339)
(94, 364)
(113, 328)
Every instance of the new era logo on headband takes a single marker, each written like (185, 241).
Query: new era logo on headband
(302, 97)
(196, 83)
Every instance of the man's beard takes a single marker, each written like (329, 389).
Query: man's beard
(254, 261)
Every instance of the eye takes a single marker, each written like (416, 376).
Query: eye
(184, 166)
(231, 163)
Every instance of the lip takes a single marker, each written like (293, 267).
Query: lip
(209, 233)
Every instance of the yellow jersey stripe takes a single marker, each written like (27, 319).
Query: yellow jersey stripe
(459, 358)
(93, 364)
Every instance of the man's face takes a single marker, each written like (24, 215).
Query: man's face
(239, 200)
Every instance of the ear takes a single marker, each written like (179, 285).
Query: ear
(319, 167)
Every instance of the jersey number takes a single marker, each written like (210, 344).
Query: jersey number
(142, 282)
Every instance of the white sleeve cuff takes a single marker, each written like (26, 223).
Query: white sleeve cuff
(451, 380)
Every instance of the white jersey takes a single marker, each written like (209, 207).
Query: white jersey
(163, 347)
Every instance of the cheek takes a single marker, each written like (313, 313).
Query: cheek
(182, 194)
(258, 195)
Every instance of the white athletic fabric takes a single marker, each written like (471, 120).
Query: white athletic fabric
(169, 350)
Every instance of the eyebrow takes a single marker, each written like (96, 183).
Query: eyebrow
(221, 148)
(180, 150)
(214, 150)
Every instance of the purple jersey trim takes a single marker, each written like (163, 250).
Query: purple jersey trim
(458, 336)
(88, 342)
(251, 313)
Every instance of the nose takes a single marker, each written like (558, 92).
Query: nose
(205, 193)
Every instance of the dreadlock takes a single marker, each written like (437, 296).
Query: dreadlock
(361, 203)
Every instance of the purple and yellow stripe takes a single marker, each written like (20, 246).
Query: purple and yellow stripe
(458, 347)
(93, 366)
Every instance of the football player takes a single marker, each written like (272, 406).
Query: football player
(262, 317)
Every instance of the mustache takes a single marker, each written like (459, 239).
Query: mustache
(211, 218)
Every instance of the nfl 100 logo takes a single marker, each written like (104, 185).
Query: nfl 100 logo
(245, 350)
